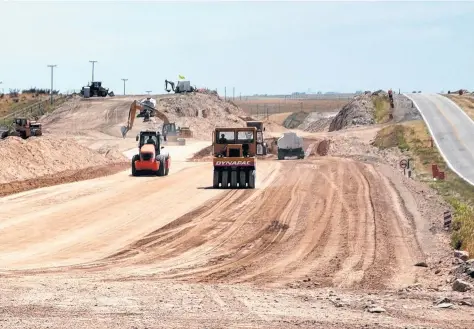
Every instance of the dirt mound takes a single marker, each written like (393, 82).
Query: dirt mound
(204, 155)
(201, 112)
(360, 111)
(295, 119)
(67, 176)
(46, 155)
(317, 121)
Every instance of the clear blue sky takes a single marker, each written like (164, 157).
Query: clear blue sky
(256, 47)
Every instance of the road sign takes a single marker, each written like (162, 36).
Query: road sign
(403, 163)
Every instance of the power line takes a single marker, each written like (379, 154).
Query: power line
(52, 67)
(124, 80)
(93, 62)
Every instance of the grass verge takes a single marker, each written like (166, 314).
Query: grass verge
(414, 139)
(465, 102)
(382, 109)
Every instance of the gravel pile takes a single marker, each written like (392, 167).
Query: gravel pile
(360, 111)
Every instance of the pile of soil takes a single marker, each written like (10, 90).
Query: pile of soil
(360, 111)
(294, 120)
(317, 121)
(46, 155)
(203, 155)
(201, 112)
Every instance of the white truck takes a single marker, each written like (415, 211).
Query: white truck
(290, 146)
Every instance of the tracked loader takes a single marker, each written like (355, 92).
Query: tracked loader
(235, 160)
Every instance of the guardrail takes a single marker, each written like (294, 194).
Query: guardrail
(34, 111)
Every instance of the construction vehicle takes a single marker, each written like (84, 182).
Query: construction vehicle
(4, 131)
(96, 89)
(181, 87)
(23, 128)
(235, 160)
(148, 108)
(290, 146)
(150, 158)
(172, 134)
(169, 132)
(261, 145)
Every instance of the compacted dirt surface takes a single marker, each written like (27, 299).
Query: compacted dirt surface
(325, 242)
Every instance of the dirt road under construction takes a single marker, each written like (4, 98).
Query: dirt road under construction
(323, 241)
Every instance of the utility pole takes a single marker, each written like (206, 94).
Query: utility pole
(51, 92)
(1, 82)
(148, 91)
(93, 70)
(225, 93)
(124, 85)
(233, 93)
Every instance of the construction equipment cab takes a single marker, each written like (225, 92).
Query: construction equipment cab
(234, 161)
(261, 144)
(151, 157)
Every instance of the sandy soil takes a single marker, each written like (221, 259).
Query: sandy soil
(45, 156)
(329, 241)
(263, 257)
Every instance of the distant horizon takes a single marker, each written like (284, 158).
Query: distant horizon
(293, 95)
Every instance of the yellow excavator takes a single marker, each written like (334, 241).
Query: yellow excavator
(169, 132)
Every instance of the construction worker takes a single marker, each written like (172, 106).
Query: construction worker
(151, 140)
(222, 140)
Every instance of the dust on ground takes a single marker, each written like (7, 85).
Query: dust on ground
(46, 156)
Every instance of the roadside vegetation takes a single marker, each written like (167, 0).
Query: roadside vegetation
(382, 108)
(413, 138)
(15, 100)
(466, 102)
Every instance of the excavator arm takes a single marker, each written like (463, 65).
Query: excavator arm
(171, 83)
(132, 113)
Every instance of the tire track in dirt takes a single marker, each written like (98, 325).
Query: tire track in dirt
(392, 245)
(336, 221)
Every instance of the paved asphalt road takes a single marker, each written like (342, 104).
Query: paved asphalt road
(452, 130)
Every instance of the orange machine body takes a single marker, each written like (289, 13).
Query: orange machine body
(147, 159)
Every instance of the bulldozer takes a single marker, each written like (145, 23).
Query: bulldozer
(24, 128)
(181, 87)
(234, 157)
(150, 158)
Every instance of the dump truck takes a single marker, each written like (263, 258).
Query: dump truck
(290, 146)
(261, 145)
(151, 157)
(234, 157)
